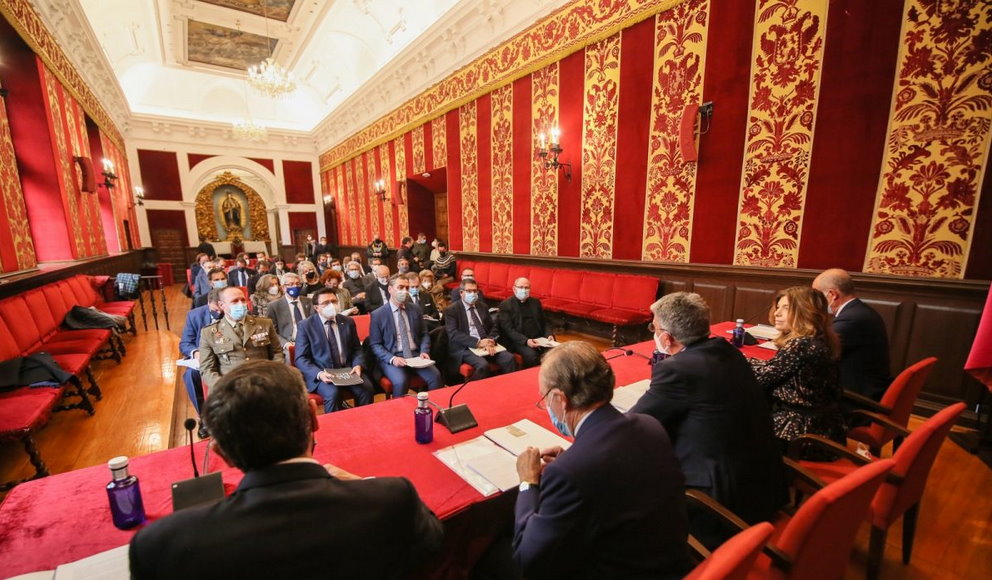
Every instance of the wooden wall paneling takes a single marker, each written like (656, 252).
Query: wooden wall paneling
(718, 296)
(946, 333)
(897, 315)
(752, 304)
(669, 286)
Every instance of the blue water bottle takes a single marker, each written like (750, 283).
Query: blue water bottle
(738, 339)
(124, 492)
(423, 420)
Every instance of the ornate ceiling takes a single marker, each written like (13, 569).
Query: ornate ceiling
(182, 62)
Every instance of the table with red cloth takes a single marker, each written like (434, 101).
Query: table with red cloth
(62, 518)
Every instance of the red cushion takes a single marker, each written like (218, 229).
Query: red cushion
(497, 277)
(565, 285)
(8, 346)
(56, 303)
(72, 363)
(119, 307)
(620, 317)
(84, 347)
(99, 334)
(515, 272)
(578, 309)
(15, 313)
(481, 272)
(495, 295)
(41, 312)
(634, 292)
(82, 291)
(540, 281)
(25, 409)
(68, 296)
(597, 289)
(555, 304)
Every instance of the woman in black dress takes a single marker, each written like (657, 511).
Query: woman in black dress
(802, 379)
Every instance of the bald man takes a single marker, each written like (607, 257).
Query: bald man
(521, 320)
(377, 291)
(864, 359)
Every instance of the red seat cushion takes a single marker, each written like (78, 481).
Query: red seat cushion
(96, 334)
(540, 281)
(119, 307)
(597, 289)
(24, 409)
(72, 363)
(41, 312)
(634, 292)
(620, 317)
(15, 313)
(8, 346)
(577, 309)
(68, 296)
(56, 303)
(83, 347)
(497, 277)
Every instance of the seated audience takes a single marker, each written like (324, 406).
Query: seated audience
(612, 505)
(802, 379)
(864, 343)
(194, 270)
(377, 249)
(267, 291)
(521, 320)
(200, 283)
(427, 283)
(468, 274)
(423, 299)
(332, 279)
(279, 267)
(469, 326)
(189, 346)
(323, 263)
(216, 278)
(329, 340)
(353, 283)
(308, 274)
(396, 333)
(377, 292)
(371, 275)
(236, 338)
(286, 314)
(444, 265)
(402, 266)
(357, 258)
(287, 507)
(707, 399)
(240, 274)
(405, 252)
(262, 268)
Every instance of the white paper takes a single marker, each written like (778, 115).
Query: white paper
(516, 438)
(624, 398)
(762, 331)
(498, 467)
(43, 575)
(109, 565)
(457, 457)
(768, 345)
(545, 342)
(483, 352)
(419, 363)
(190, 363)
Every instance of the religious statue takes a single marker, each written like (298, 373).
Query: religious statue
(233, 213)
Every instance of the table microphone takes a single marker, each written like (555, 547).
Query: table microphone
(629, 352)
(457, 418)
(190, 424)
(197, 490)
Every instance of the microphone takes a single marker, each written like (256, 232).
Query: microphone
(630, 352)
(457, 418)
(190, 424)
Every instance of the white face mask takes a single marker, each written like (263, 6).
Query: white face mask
(426, 284)
(274, 290)
(657, 344)
(330, 311)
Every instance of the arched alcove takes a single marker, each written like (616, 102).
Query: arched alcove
(207, 211)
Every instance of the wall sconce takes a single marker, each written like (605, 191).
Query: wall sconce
(380, 190)
(139, 196)
(109, 177)
(554, 150)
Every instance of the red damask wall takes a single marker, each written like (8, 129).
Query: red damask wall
(830, 143)
(160, 175)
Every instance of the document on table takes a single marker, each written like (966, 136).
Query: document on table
(768, 345)
(483, 352)
(459, 457)
(109, 565)
(190, 363)
(516, 438)
(762, 331)
(624, 398)
(418, 363)
(545, 342)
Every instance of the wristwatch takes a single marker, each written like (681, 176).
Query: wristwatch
(525, 485)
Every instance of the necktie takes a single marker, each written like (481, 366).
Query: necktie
(404, 334)
(332, 342)
(238, 330)
(478, 323)
(297, 315)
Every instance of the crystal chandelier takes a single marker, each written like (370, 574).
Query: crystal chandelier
(269, 77)
(248, 130)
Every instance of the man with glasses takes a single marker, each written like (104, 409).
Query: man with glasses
(469, 326)
(287, 313)
(521, 320)
(397, 333)
(329, 340)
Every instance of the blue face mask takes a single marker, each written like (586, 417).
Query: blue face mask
(560, 425)
(414, 291)
(521, 293)
(219, 284)
(293, 291)
(238, 311)
(216, 314)
(470, 297)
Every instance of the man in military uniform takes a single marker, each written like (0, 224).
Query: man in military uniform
(236, 338)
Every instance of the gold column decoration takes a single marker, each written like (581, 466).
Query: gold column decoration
(399, 168)
(206, 227)
(419, 149)
(354, 235)
(502, 169)
(13, 200)
(376, 203)
(354, 169)
(544, 182)
(439, 135)
(386, 170)
(468, 137)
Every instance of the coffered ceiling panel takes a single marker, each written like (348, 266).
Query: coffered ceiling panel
(275, 9)
(221, 46)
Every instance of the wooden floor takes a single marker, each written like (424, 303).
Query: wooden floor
(139, 409)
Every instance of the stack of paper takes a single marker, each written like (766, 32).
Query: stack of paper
(418, 363)
(624, 398)
(483, 352)
(544, 342)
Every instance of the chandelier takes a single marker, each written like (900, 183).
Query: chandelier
(269, 77)
(248, 130)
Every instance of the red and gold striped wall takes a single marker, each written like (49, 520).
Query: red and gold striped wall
(845, 133)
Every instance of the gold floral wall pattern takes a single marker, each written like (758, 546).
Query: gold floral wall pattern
(468, 136)
(544, 182)
(938, 141)
(502, 169)
(206, 225)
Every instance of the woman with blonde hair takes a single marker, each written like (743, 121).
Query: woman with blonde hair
(267, 290)
(802, 380)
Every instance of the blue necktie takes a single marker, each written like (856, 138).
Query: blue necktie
(332, 342)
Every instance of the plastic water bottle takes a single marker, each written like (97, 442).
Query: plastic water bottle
(423, 420)
(738, 339)
(124, 493)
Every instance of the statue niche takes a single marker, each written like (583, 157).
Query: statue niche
(232, 212)
(227, 209)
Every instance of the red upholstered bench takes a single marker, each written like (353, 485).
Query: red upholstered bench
(22, 412)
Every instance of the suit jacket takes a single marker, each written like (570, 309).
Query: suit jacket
(201, 286)
(456, 325)
(196, 319)
(221, 350)
(511, 320)
(611, 506)
(382, 332)
(405, 252)
(313, 352)
(426, 302)
(456, 295)
(241, 277)
(373, 297)
(282, 317)
(253, 281)
(355, 286)
(715, 413)
(864, 343)
(279, 517)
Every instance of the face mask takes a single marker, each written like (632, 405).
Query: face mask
(294, 291)
(414, 291)
(274, 290)
(238, 311)
(470, 297)
(280, 266)
(426, 285)
(353, 274)
(423, 241)
(560, 425)
(383, 280)
(468, 277)
(401, 295)
(219, 284)
(311, 275)
(330, 311)
(216, 314)
(336, 268)
(521, 293)
(404, 269)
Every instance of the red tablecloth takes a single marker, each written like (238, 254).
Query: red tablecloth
(65, 517)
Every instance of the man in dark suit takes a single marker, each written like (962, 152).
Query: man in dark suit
(189, 346)
(288, 312)
(207, 248)
(240, 275)
(456, 293)
(309, 248)
(288, 507)
(397, 333)
(323, 247)
(330, 341)
(613, 504)
(521, 320)
(377, 291)
(864, 343)
(406, 251)
(706, 397)
(424, 299)
(263, 267)
(469, 326)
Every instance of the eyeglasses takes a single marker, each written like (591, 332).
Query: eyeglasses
(542, 404)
